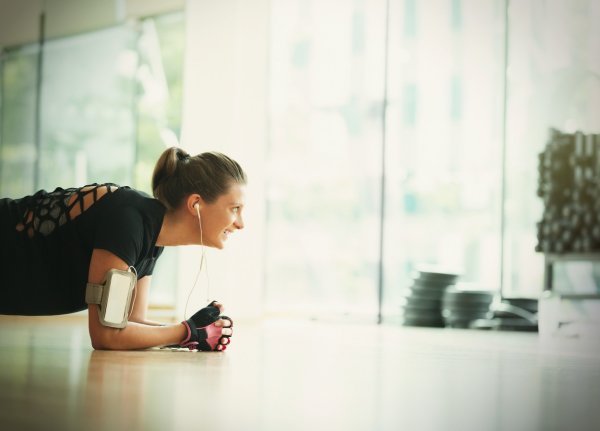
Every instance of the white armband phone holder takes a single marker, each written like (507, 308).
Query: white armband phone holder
(113, 297)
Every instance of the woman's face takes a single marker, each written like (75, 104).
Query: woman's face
(222, 217)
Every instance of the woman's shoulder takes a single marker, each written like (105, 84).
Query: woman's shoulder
(128, 199)
(136, 197)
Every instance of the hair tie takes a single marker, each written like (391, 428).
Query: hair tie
(182, 156)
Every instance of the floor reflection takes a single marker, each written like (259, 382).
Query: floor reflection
(281, 375)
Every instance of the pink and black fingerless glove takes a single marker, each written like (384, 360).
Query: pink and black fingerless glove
(203, 334)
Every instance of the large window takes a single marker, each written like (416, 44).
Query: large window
(323, 193)
(87, 120)
(442, 143)
(17, 121)
(109, 104)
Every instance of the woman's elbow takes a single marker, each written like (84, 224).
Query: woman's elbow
(96, 345)
(99, 341)
(103, 338)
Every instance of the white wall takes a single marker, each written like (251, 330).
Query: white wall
(224, 109)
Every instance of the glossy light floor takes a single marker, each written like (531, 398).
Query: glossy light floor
(295, 375)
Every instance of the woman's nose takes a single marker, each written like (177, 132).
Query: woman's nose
(239, 222)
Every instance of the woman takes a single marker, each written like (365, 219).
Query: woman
(53, 244)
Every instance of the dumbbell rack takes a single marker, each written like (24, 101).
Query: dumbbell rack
(569, 185)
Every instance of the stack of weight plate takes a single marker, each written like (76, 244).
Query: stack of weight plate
(422, 301)
(462, 306)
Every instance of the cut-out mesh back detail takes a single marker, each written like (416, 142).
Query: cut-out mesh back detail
(48, 211)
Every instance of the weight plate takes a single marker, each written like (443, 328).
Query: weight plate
(431, 284)
(434, 323)
(411, 313)
(465, 305)
(437, 277)
(416, 292)
(466, 315)
(423, 303)
(468, 295)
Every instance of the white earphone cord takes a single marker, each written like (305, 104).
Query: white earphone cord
(203, 262)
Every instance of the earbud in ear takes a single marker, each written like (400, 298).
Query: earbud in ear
(197, 205)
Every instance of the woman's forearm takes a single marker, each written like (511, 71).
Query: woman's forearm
(133, 336)
(148, 322)
(139, 336)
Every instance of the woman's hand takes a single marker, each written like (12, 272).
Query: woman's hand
(207, 330)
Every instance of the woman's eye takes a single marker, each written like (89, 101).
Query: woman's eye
(236, 209)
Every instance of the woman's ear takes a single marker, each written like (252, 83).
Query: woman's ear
(194, 203)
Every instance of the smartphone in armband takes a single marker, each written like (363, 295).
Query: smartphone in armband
(113, 297)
